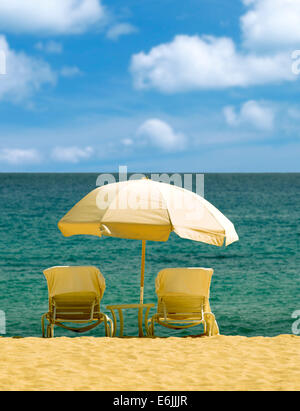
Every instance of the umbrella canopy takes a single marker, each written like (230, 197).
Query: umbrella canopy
(147, 210)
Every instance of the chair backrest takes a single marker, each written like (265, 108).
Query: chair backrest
(74, 279)
(184, 281)
(183, 290)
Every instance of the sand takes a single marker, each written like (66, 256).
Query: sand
(206, 363)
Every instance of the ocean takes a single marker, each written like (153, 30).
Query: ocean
(256, 283)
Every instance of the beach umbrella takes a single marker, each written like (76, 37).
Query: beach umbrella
(147, 210)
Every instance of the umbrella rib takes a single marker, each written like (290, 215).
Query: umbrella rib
(166, 207)
(209, 211)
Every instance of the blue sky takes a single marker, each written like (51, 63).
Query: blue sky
(200, 85)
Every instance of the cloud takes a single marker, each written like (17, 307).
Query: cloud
(114, 140)
(161, 134)
(16, 156)
(207, 62)
(253, 113)
(52, 47)
(2, 62)
(67, 71)
(24, 74)
(270, 30)
(271, 24)
(120, 29)
(50, 16)
(127, 142)
(72, 154)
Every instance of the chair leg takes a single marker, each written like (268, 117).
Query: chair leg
(50, 331)
(43, 325)
(105, 326)
(211, 325)
(147, 327)
(111, 327)
(151, 328)
(113, 323)
(148, 332)
(108, 326)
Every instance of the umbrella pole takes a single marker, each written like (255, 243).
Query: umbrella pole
(143, 271)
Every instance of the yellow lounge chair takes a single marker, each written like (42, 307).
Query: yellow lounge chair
(74, 296)
(183, 300)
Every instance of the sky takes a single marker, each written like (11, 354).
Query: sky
(193, 86)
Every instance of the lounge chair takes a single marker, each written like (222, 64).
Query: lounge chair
(183, 300)
(74, 296)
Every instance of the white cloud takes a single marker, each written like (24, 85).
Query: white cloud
(253, 113)
(271, 24)
(52, 47)
(127, 142)
(16, 156)
(161, 134)
(193, 62)
(50, 16)
(71, 154)
(120, 29)
(2, 62)
(67, 71)
(24, 74)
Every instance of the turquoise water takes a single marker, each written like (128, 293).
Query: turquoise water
(256, 283)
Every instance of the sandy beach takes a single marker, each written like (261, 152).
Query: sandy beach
(89, 363)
